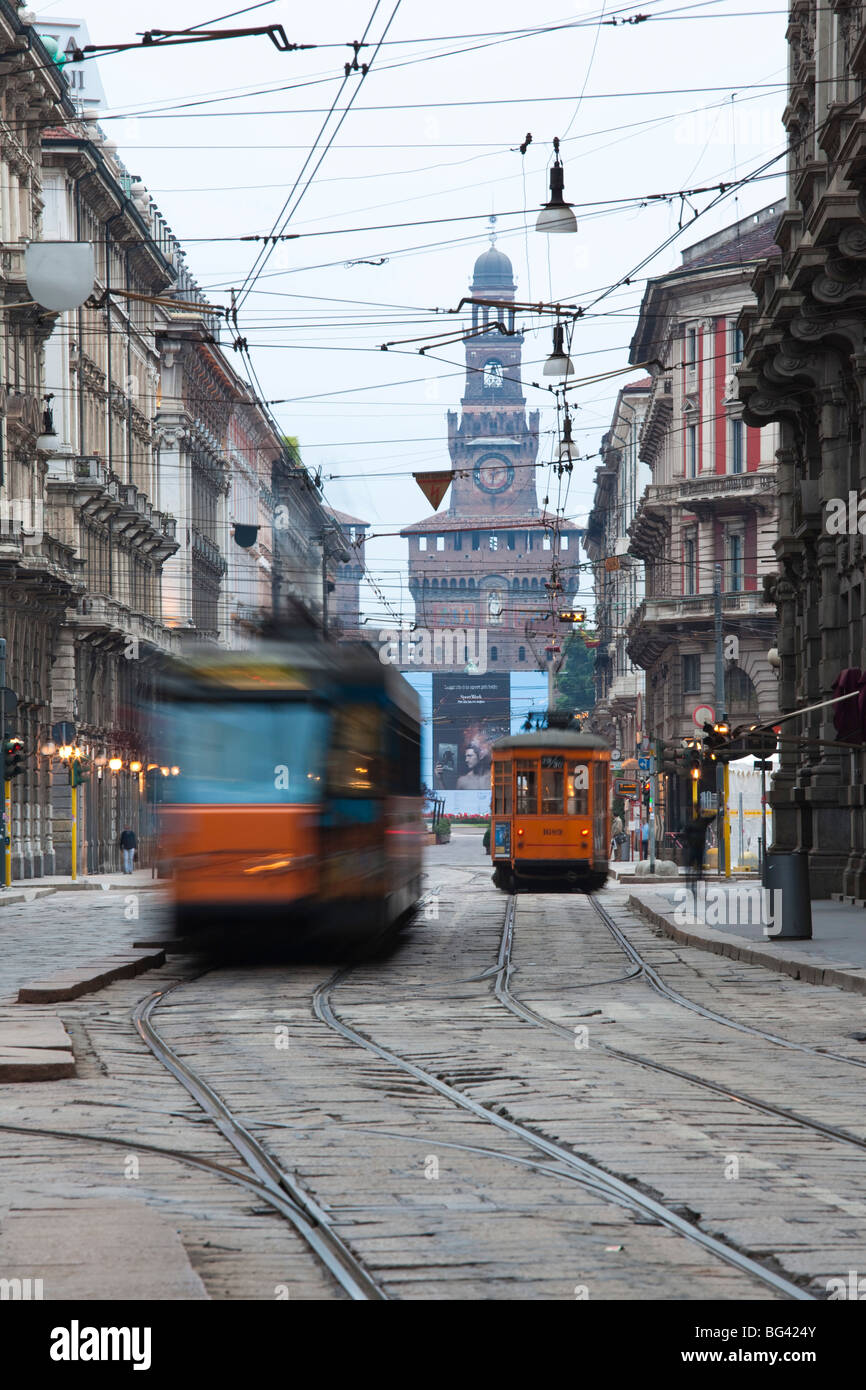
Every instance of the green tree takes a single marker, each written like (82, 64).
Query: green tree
(575, 685)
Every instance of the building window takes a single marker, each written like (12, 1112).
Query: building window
(691, 349)
(740, 693)
(563, 543)
(494, 653)
(493, 541)
(545, 543)
(737, 345)
(529, 540)
(422, 542)
(494, 607)
(690, 563)
(521, 653)
(476, 541)
(692, 673)
(736, 430)
(440, 542)
(734, 547)
(510, 540)
(691, 451)
(458, 541)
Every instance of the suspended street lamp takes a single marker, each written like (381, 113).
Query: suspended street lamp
(556, 216)
(558, 363)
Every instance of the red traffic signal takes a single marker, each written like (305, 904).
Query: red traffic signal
(13, 758)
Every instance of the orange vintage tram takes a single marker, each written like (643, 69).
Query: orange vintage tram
(550, 824)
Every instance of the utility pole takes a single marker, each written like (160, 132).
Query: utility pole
(721, 718)
(324, 584)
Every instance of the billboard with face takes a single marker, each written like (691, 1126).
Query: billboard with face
(470, 712)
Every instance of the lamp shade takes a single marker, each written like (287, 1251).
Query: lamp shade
(60, 274)
(558, 363)
(556, 215)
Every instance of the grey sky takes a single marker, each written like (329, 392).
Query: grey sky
(228, 174)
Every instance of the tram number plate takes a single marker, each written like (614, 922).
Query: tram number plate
(556, 763)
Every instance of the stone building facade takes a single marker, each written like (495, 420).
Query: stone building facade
(805, 368)
(485, 561)
(712, 504)
(618, 578)
(126, 440)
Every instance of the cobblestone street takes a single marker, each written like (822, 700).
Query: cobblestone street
(486, 1172)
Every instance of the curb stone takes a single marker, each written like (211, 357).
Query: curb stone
(819, 971)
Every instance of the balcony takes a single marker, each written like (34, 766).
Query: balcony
(658, 622)
(717, 492)
(207, 552)
(112, 623)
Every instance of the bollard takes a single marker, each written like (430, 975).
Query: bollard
(789, 873)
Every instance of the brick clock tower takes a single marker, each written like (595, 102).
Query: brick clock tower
(484, 561)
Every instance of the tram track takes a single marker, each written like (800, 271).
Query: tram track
(655, 981)
(272, 1183)
(591, 1175)
(502, 990)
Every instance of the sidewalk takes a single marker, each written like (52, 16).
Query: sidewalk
(836, 954)
(27, 890)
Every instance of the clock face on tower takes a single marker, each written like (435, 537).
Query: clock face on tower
(493, 373)
(493, 474)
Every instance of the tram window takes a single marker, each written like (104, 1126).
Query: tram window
(551, 790)
(354, 761)
(527, 788)
(502, 789)
(244, 752)
(578, 789)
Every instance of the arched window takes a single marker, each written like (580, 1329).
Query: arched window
(534, 584)
(453, 583)
(471, 583)
(494, 653)
(526, 583)
(521, 653)
(462, 584)
(515, 584)
(740, 693)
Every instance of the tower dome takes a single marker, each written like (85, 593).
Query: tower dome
(493, 271)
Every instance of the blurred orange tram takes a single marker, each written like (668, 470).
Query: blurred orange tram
(550, 821)
(297, 805)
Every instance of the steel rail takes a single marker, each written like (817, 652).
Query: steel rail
(279, 1188)
(595, 1177)
(502, 990)
(655, 981)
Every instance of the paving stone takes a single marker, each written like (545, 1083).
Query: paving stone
(35, 1064)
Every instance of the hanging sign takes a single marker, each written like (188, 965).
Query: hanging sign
(434, 485)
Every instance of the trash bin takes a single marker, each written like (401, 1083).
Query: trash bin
(788, 872)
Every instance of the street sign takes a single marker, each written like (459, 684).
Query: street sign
(63, 732)
(645, 743)
(616, 767)
(704, 714)
(645, 764)
(10, 700)
(625, 788)
(761, 765)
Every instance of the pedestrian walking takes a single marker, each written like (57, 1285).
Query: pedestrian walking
(695, 839)
(127, 848)
(644, 840)
(615, 836)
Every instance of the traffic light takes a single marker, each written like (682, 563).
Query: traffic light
(716, 742)
(78, 770)
(573, 615)
(13, 758)
(647, 794)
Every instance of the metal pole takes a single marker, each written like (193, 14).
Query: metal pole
(324, 585)
(7, 789)
(742, 828)
(74, 812)
(721, 769)
(763, 811)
